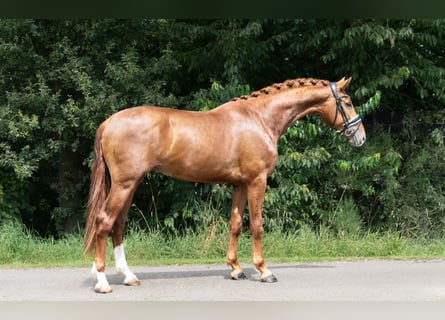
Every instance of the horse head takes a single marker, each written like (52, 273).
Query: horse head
(340, 114)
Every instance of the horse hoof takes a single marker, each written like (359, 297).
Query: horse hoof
(103, 289)
(132, 282)
(238, 276)
(269, 279)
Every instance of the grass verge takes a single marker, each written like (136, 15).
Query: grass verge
(20, 248)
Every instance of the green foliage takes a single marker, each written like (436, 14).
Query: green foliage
(420, 201)
(21, 248)
(206, 99)
(346, 219)
(61, 78)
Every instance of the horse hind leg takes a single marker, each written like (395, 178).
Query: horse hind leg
(118, 249)
(118, 199)
(122, 267)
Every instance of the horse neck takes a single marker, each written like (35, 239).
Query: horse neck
(281, 110)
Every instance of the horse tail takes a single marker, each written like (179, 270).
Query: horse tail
(99, 189)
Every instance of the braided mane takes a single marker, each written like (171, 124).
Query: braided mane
(286, 85)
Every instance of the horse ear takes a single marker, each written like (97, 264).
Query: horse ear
(343, 83)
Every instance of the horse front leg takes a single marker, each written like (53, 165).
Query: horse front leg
(255, 196)
(239, 197)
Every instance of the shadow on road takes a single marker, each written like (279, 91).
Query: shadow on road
(250, 272)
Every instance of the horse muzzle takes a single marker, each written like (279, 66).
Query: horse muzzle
(356, 135)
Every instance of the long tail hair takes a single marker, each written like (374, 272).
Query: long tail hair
(99, 189)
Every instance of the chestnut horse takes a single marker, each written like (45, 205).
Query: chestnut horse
(234, 143)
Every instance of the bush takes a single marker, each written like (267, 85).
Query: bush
(419, 209)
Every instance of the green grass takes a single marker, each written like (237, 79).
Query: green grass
(19, 248)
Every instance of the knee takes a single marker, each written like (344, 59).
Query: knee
(256, 229)
(236, 221)
(235, 226)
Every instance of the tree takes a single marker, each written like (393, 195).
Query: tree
(59, 79)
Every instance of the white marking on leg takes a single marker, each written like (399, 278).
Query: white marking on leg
(94, 269)
(119, 258)
(122, 267)
(102, 285)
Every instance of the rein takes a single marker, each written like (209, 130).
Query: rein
(346, 123)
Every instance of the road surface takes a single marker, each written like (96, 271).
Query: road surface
(371, 280)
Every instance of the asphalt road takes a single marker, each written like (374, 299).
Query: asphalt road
(371, 280)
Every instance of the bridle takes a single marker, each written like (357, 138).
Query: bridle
(339, 109)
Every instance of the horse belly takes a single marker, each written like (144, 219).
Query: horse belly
(223, 161)
(200, 166)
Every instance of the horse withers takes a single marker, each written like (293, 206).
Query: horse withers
(235, 143)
